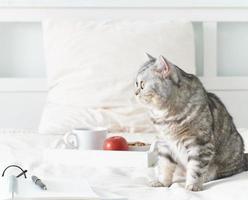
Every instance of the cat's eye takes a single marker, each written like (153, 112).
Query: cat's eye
(136, 84)
(142, 85)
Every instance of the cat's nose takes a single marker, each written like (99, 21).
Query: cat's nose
(137, 92)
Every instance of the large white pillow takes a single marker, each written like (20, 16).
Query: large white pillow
(92, 65)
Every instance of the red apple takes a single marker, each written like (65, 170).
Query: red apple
(115, 143)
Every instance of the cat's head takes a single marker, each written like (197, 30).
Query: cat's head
(157, 82)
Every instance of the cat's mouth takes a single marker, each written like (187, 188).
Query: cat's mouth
(147, 98)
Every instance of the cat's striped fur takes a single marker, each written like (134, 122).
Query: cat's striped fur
(201, 140)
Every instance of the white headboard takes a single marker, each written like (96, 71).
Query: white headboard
(22, 95)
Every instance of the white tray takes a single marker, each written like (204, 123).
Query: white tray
(101, 158)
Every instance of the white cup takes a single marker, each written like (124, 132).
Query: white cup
(83, 139)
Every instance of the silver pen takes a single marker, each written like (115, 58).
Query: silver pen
(39, 183)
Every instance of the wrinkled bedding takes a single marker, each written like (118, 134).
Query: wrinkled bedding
(26, 149)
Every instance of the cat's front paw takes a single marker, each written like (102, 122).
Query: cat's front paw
(159, 184)
(156, 184)
(193, 187)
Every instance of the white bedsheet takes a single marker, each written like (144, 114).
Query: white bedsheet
(26, 150)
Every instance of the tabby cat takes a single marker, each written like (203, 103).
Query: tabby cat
(200, 138)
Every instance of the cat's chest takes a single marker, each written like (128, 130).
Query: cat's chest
(178, 151)
(160, 119)
(163, 129)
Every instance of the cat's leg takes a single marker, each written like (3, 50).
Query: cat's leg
(165, 170)
(194, 177)
(179, 174)
(197, 167)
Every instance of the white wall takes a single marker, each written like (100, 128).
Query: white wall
(21, 51)
(124, 3)
(233, 49)
(21, 56)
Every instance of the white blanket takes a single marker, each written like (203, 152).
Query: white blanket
(27, 149)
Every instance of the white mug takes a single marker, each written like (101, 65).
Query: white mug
(83, 139)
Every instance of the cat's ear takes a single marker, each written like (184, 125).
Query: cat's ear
(151, 58)
(167, 69)
(165, 66)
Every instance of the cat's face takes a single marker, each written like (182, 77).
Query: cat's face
(155, 81)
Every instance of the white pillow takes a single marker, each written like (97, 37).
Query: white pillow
(92, 65)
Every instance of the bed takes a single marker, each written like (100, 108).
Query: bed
(26, 147)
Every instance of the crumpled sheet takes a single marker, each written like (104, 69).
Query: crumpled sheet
(131, 183)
